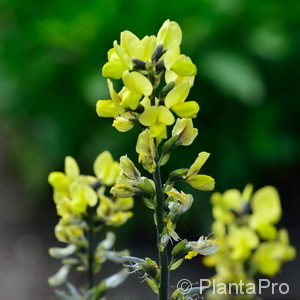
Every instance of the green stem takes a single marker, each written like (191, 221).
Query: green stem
(90, 237)
(163, 255)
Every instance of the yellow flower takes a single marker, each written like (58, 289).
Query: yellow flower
(73, 192)
(128, 169)
(131, 44)
(59, 181)
(185, 132)
(138, 83)
(106, 169)
(203, 246)
(241, 240)
(149, 45)
(130, 182)
(68, 232)
(266, 208)
(175, 101)
(226, 205)
(169, 34)
(171, 76)
(157, 118)
(110, 108)
(169, 234)
(270, 255)
(114, 68)
(124, 122)
(179, 67)
(197, 181)
(81, 196)
(145, 147)
(178, 94)
(121, 58)
(114, 212)
(178, 202)
(183, 66)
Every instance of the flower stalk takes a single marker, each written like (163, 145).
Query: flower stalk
(163, 253)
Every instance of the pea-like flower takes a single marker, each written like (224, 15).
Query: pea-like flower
(178, 203)
(266, 208)
(145, 147)
(184, 131)
(270, 255)
(175, 100)
(242, 240)
(130, 182)
(114, 211)
(232, 203)
(199, 181)
(157, 118)
(110, 108)
(203, 246)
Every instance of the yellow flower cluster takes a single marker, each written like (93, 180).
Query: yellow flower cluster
(75, 193)
(142, 64)
(245, 230)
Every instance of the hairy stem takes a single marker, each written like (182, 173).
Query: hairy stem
(163, 255)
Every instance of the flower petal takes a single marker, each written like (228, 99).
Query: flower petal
(187, 109)
(202, 182)
(199, 162)
(165, 116)
(177, 94)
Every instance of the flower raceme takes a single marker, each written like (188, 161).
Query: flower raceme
(141, 64)
(86, 207)
(75, 193)
(156, 80)
(245, 229)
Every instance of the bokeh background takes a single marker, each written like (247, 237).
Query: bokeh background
(51, 54)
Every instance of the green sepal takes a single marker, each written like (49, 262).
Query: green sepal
(176, 264)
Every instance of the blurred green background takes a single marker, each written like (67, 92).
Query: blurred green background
(51, 54)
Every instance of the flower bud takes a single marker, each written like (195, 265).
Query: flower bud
(179, 250)
(164, 92)
(158, 52)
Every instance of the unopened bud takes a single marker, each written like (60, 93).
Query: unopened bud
(170, 144)
(164, 92)
(160, 66)
(158, 52)
(138, 64)
(180, 250)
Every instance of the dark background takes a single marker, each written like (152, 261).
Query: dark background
(51, 54)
